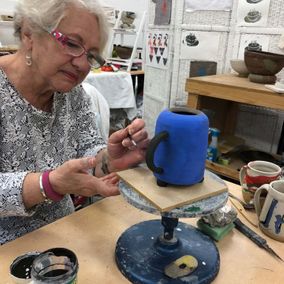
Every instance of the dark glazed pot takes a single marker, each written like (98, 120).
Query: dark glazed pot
(177, 153)
(263, 65)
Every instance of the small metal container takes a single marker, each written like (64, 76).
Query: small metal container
(56, 265)
(21, 267)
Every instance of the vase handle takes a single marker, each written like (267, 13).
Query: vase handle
(151, 151)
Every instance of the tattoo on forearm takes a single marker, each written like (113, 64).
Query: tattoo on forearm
(104, 167)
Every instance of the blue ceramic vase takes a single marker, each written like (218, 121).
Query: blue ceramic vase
(177, 153)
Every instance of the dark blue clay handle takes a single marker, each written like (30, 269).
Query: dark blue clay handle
(154, 143)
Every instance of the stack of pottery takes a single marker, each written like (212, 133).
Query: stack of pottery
(263, 65)
(240, 67)
(123, 52)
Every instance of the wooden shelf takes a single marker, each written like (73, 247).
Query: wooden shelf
(125, 31)
(223, 93)
(10, 49)
(233, 88)
(231, 171)
(6, 23)
(138, 72)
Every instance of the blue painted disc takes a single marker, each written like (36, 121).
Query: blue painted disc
(142, 257)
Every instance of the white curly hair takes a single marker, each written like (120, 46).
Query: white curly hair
(47, 14)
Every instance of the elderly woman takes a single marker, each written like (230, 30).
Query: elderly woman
(50, 144)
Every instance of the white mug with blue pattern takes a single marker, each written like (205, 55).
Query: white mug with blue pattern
(271, 214)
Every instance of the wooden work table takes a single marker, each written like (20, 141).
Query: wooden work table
(92, 234)
(223, 94)
(232, 88)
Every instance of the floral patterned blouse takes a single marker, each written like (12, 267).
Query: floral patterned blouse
(32, 140)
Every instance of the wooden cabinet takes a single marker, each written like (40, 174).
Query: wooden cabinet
(224, 93)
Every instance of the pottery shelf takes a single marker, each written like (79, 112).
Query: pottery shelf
(125, 32)
(119, 34)
(223, 93)
(6, 23)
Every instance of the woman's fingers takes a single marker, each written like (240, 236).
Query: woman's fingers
(73, 178)
(135, 139)
(107, 187)
(139, 140)
(133, 128)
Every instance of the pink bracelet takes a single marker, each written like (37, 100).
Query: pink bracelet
(48, 190)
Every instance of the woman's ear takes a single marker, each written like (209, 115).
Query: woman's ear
(26, 35)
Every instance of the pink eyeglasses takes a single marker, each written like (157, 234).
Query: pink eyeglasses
(74, 48)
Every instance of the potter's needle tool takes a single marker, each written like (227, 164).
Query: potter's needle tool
(257, 239)
(127, 122)
(242, 211)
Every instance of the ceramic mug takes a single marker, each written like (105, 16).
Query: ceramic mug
(271, 214)
(255, 174)
(279, 84)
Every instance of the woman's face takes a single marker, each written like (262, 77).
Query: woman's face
(58, 70)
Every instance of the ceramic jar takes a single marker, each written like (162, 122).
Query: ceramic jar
(177, 153)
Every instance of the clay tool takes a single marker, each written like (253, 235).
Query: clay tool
(248, 206)
(253, 236)
(132, 141)
(127, 122)
(243, 212)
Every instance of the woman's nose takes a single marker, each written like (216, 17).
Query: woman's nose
(81, 62)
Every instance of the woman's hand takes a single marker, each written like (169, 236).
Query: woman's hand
(73, 178)
(127, 147)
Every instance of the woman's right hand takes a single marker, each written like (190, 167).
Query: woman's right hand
(72, 178)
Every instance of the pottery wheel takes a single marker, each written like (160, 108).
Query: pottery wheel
(146, 251)
(199, 208)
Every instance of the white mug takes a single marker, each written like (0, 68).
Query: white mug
(255, 174)
(271, 214)
(279, 84)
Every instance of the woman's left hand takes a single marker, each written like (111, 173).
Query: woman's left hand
(127, 147)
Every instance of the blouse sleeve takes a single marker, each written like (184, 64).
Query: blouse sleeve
(11, 198)
(90, 137)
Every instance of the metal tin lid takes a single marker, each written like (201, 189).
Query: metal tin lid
(21, 267)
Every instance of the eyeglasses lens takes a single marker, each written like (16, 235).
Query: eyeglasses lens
(75, 49)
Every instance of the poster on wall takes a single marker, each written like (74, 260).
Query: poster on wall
(197, 5)
(253, 41)
(163, 12)
(157, 49)
(252, 13)
(195, 45)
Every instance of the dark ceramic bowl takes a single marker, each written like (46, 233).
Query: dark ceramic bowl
(263, 63)
(123, 52)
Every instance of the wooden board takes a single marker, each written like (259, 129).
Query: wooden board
(167, 198)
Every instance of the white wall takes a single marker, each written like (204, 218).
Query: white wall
(7, 6)
(131, 5)
(6, 29)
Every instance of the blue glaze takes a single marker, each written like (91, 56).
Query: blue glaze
(182, 155)
(278, 223)
(269, 213)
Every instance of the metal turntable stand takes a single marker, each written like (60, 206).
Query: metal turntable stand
(145, 250)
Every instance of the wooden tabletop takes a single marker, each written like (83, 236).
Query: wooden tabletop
(234, 88)
(136, 72)
(92, 234)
